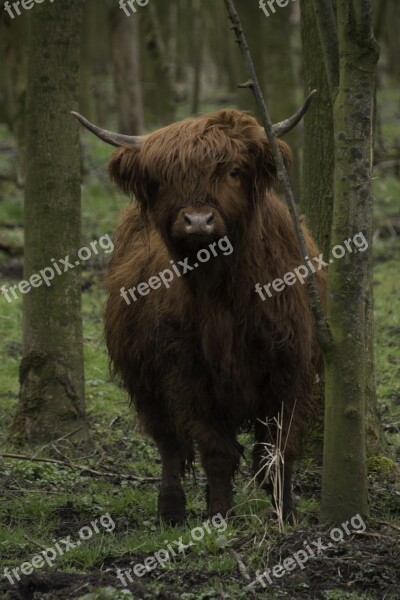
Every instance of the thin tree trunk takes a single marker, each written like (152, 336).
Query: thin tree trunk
(344, 483)
(198, 51)
(318, 158)
(51, 373)
(281, 85)
(14, 35)
(124, 38)
(164, 92)
(392, 38)
(86, 93)
(317, 198)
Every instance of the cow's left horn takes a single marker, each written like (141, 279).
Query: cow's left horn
(285, 126)
(115, 139)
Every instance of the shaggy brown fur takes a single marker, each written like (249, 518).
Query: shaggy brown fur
(207, 357)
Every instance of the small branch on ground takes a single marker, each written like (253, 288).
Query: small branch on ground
(389, 525)
(42, 546)
(82, 468)
(241, 566)
(60, 439)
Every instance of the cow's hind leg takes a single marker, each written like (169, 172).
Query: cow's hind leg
(171, 498)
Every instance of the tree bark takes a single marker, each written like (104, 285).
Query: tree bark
(124, 40)
(317, 197)
(86, 105)
(198, 52)
(392, 39)
(51, 372)
(318, 149)
(344, 482)
(163, 95)
(13, 39)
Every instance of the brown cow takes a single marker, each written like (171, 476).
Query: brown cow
(200, 353)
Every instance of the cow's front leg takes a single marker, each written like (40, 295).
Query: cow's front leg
(171, 498)
(220, 458)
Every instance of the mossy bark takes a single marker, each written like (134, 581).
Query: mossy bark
(344, 484)
(317, 200)
(51, 373)
(13, 34)
(161, 95)
(318, 154)
(124, 43)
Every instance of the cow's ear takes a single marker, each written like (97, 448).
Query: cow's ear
(124, 168)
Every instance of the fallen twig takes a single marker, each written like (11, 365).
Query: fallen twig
(241, 566)
(57, 451)
(64, 437)
(81, 468)
(389, 525)
(371, 534)
(26, 536)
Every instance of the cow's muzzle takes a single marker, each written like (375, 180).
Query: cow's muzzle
(197, 223)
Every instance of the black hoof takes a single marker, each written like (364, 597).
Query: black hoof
(172, 505)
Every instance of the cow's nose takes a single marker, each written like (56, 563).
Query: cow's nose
(199, 222)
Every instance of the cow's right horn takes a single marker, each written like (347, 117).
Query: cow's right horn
(115, 139)
(284, 127)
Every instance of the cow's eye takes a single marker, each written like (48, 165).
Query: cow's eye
(235, 173)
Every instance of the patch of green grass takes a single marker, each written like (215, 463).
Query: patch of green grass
(108, 593)
(387, 330)
(341, 595)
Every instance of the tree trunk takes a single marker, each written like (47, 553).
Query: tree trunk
(281, 85)
(162, 96)
(124, 38)
(392, 39)
(86, 106)
(51, 372)
(318, 149)
(344, 482)
(317, 197)
(13, 36)
(198, 51)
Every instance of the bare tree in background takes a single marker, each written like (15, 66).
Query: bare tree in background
(124, 42)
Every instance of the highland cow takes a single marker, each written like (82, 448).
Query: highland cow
(205, 357)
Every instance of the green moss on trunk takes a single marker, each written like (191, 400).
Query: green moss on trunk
(344, 490)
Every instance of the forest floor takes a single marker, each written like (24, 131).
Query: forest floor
(44, 503)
